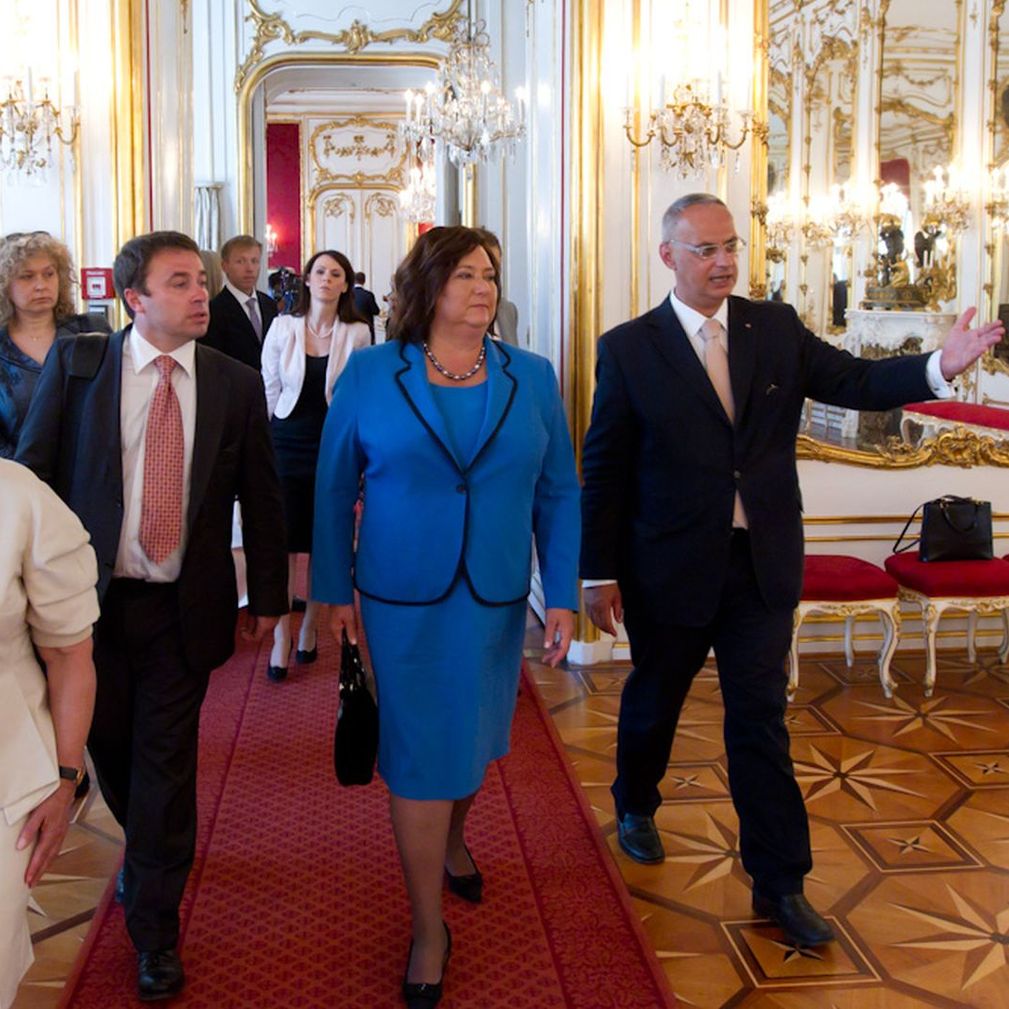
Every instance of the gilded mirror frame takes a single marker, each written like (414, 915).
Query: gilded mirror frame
(944, 277)
(956, 447)
(994, 248)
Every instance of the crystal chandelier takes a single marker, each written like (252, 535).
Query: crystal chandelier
(693, 131)
(28, 126)
(694, 115)
(947, 202)
(780, 224)
(997, 204)
(464, 109)
(417, 198)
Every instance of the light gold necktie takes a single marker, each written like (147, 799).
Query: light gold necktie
(716, 363)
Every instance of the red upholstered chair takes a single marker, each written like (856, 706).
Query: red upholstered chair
(977, 587)
(847, 587)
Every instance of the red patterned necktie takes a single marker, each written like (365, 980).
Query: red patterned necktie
(164, 449)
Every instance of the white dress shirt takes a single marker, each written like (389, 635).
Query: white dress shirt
(139, 379)
(691, 320)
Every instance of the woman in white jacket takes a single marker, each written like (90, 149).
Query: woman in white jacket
(303, 354)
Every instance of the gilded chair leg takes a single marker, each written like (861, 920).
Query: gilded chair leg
(1003, 651)
(849, 647)
(971, 631)
(793, 657)
(930, 623)
(889, 646)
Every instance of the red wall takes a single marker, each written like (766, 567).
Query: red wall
(283, 192)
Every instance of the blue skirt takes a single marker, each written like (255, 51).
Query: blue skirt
(447, 677)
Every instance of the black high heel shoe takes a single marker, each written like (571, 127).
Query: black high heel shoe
(426, 995)
(306, 656)
(279, 673)
(469, 886)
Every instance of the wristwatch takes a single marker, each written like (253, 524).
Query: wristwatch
(74, 774)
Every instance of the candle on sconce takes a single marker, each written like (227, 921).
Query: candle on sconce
(520, 98)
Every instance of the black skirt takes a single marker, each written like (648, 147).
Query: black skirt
(296, 439)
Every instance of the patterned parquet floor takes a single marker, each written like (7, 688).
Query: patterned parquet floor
(909, 812)
(909, 809)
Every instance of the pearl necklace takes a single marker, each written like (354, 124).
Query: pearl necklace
(317, 334)
(442, 370)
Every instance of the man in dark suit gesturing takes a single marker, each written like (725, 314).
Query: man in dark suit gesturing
(149, 437)
(692, 529)
(239, 314)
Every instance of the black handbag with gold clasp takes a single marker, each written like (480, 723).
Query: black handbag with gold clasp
(952, 529)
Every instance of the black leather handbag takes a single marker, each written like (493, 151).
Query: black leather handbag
(952, 529)
(355, 744)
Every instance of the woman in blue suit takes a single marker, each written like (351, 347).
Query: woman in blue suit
(464, 452)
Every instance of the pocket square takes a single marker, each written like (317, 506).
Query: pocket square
(773, 387)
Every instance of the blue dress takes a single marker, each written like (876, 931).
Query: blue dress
(447, 673)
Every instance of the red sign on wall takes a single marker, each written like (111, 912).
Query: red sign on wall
(96, 283)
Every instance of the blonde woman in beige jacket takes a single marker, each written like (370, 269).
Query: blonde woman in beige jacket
(303, 354)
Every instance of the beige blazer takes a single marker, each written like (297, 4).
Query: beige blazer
(47, 596)
(284, 359)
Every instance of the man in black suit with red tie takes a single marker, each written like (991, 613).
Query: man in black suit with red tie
(149, 437)
(240, 315)
(692, 530)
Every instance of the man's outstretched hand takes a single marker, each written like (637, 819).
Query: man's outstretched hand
(964, 346)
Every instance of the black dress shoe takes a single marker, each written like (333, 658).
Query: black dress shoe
(306, 656)
(639, 838)
(425, 995)
(159, 975)
(120, 894)
(469, 886)
(795, 916)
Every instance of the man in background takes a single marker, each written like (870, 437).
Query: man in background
(240, 315)
(365, 301)
(506, 322)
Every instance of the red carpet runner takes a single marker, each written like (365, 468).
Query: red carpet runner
(296, 900)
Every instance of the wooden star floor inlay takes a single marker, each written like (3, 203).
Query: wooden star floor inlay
(908, 801)
(909, 823)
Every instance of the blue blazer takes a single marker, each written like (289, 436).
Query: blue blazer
(431, 518)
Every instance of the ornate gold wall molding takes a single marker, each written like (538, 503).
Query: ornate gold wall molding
(358, 147)
(584, 248)
(283, 60)
(273, 28)
(758, 151)
(132, 213)
(957, 447)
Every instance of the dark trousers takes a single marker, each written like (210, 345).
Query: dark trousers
(750, 643)
(143, 741)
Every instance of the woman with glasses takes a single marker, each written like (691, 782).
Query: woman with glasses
(36, 306)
